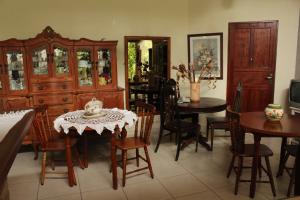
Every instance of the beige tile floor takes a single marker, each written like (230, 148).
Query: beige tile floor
(200, 175)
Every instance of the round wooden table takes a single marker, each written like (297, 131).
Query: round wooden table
(257, 124)
(206, 105)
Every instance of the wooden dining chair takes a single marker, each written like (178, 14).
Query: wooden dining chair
(171, 119)
(241, 150)
(290, 150)
(141, 139)
(221, 122)
(49, 142)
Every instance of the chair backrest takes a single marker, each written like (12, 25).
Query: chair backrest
(237, 98)
(237, 137)
(41, 125)
(168, 103)
(143, 127)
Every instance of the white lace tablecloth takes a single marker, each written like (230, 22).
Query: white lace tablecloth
(109, 120)
(8, 120)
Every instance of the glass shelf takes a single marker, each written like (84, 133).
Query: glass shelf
(40, 62)
(84, 66)
(61, 61)
(15, 70)
(104, 66)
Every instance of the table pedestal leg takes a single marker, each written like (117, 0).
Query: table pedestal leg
(85, 150)
(254, 166)
(71, 174)
(282, 153)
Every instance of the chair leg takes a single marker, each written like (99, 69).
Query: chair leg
(207, 128)
(212, 133)
(259, 167)
(292, 179)
(270, 176)
(159, 139)
(197, 141)
(148, 161)
(43, 172)
(77, 156)
(36, 150)
(282, 164)
(231, 166)
(52, 161)
(124, 162)
(178, 146)
(238, 175)
(137, 156)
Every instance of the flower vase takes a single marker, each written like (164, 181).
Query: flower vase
(195, 92)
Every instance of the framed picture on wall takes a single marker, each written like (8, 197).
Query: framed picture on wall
(204, 49)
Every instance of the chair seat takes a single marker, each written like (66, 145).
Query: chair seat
(264, 150)
(130, 143)
(184, 125)
(292, 149)
(222, 119)
(58, 144)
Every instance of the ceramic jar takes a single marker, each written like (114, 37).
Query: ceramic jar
(274, 112)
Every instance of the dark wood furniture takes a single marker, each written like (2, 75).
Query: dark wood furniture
(213, 123)
(60, 72)
(206, 105)
(49, 143)
(11, 144)
(170, 118)
(290, 150)
(257, 124)
(241, 150)
(141, 139)
(252, 60)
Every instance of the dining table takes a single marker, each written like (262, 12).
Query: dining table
(113, 120)
(257, 124)
(205, 105)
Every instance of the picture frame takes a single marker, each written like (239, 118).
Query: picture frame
(205, 48)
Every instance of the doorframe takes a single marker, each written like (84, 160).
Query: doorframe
(135, 38)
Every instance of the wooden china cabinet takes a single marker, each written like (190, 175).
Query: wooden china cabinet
(59, 72)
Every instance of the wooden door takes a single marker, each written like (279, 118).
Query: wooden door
(251, 61)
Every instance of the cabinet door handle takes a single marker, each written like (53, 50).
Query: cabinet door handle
(41, 101)
(40, 87)
(65, 99)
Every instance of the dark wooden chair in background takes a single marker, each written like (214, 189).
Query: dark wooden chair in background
(241, 150)
(49, 142)
(141, 139)
(171, 119)
(221, 122)
(290, 150)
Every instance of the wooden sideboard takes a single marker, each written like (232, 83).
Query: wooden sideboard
(60, 72)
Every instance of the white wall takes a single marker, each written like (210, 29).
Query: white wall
(114, 19)
(207, 16)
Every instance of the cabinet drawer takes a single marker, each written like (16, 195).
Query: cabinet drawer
(52, 87)
(53, 99)
(60, 109)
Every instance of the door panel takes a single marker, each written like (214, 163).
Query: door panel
(251, 61)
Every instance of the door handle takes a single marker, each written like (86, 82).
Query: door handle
(269, 77)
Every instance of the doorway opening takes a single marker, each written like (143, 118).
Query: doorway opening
(147, 62)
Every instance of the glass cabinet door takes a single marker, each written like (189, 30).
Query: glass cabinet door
(104, 67)
(84, 67)
(61, 61)
(15, 70)
(40, 60)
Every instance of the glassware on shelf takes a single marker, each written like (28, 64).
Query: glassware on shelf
(84, 68)
(104, 66)
(60, 58)
(15, 70)
(40, 62)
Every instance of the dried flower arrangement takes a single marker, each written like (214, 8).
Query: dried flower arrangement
(203, 73)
